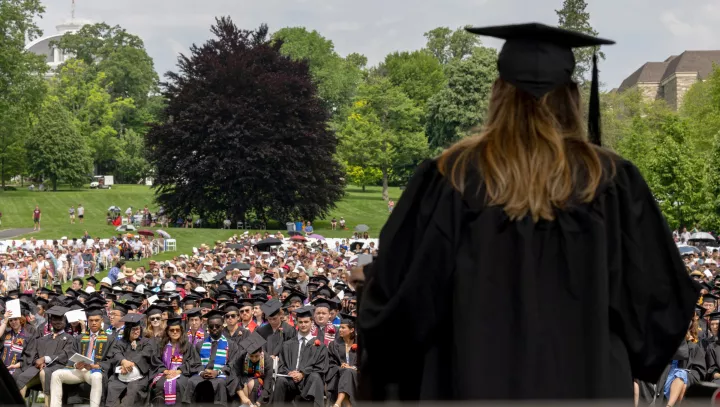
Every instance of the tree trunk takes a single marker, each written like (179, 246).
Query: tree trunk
(2, 172)
(385, 195)
(363, 188)
(54, 182)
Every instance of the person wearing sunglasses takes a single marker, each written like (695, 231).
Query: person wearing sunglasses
(233, 330)
(155, 325)
(180, 360)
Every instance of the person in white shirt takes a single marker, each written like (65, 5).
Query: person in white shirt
(81, 213)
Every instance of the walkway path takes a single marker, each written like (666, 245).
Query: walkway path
(10, 233)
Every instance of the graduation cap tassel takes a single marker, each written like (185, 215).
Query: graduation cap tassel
(594, 111)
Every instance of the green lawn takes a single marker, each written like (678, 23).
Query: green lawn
(16, 206)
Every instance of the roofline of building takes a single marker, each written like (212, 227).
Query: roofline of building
(39, 40)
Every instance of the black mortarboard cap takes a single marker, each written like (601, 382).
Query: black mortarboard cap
(195, 312)
(215, 314)
(323, 302)
(124, 308)
(47, 291)
(714, 316)
(207, 303)
(174, 322)
(709, 298)
(13, 293)
(93, 311)
(297, 294)
(155, 309)
(347, 319)
(538, 58)
(57, 311)
(93, 279)
(271, 307)
(306, 311)
(132, 319)
(95, 302)
(320, 279)
(75, 305)
(253, 343)
(230, 306)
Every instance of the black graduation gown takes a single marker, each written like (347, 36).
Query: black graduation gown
(313, 365)
(274, 340)
(341, 380)
(59, 349)
(135, 393)
(527, 300)
(238, 336)
(27, 370)
(239, 379)
(9, 391)
(712, 361)
(219, 385)
(75, 393)
(190, 367)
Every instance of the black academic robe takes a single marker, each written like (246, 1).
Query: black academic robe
(342, 380)
(9, 391)
(27, 369)
(274, 340)
(218, 385)
(74, 393)
(712, 361)
(238, 336)
(145, 358)
(59, 349)
(190, 366)
(239, 378)
(608, 269)
(313, 365)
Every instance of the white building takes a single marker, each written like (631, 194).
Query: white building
(53, 55)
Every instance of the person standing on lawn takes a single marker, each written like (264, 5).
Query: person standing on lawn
(37, 214)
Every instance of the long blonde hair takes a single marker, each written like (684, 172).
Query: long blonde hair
(532, 156)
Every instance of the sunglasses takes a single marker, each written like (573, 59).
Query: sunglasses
(155, 319)
(175, 330)
(215, 326)
(244, 311)
(231, 316)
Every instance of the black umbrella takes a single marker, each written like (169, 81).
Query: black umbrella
(239, 266)
(235, 246)
(362, 228)
(356, 245)
(269, 242)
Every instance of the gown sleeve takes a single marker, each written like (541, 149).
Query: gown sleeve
(401, 297)
(652, 296)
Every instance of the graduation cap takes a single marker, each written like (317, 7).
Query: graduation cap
(325, 292)
(192, 313)
(155, 310)
(320, 279)
(13, 293)
(714, 316)
(306, 311)
(537, 59)
(75, 305)
(253, 343)
(347, 319)
(94, 311)
(225, 296)
(174, 322)
(271, 307)
(105, 290)
(95, 302)
(58, 288)
(291, 281)
(207, 303)
(296, 295)
(323, 302)
(93, 280)
(132, 319)
(709, 298)
(71, 293)
(57, 311)
(111, 296)
(245, 302)
(230, 306)
(47, 291)
(122, 307)
(215, 314)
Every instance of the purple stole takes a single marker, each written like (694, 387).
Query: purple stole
(172, 359)
(199, 337)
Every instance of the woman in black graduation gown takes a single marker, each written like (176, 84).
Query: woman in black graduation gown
(510, 230)
(179, 361)
(252, 372)
(342, 374)
(134, 361)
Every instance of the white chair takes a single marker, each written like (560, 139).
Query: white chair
(240, 225)
(170, 245)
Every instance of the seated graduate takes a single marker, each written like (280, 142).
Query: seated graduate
(234, 331)
(155, 327)
(52, 351)
(135, 361)
(276, 331)
(711, 336)
(195, 332)
(303, 364)
(18, 341)
(93, 344)
(686, 367)
(252, 372)
(342, 375)
(215, 355)
(179, 361)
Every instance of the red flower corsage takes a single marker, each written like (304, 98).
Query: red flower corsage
(353, 347)
(317, 342)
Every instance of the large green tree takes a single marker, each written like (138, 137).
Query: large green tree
(447, 45)
(336, 78)
(21, 80)
(462, 104)
(574, 16)
(417, 73)
(246, 133)
(57, 151)
(383, 130)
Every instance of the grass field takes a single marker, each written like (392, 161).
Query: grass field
(16, 206)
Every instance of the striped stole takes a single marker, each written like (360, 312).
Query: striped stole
(220, 354)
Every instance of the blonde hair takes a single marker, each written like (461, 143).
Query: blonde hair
(532, 156)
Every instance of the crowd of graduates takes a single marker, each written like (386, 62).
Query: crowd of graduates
(250, 321)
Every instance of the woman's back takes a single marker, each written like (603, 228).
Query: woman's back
(493, 308)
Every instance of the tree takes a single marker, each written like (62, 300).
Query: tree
(701, 108)
(246, 132)
(21, 79)
(462, 104)
(573, 17)
(336, 78)
(56, 150)
(383, 130)
(129, 70)
(416, 73)
(363, 176)
(447, 45)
